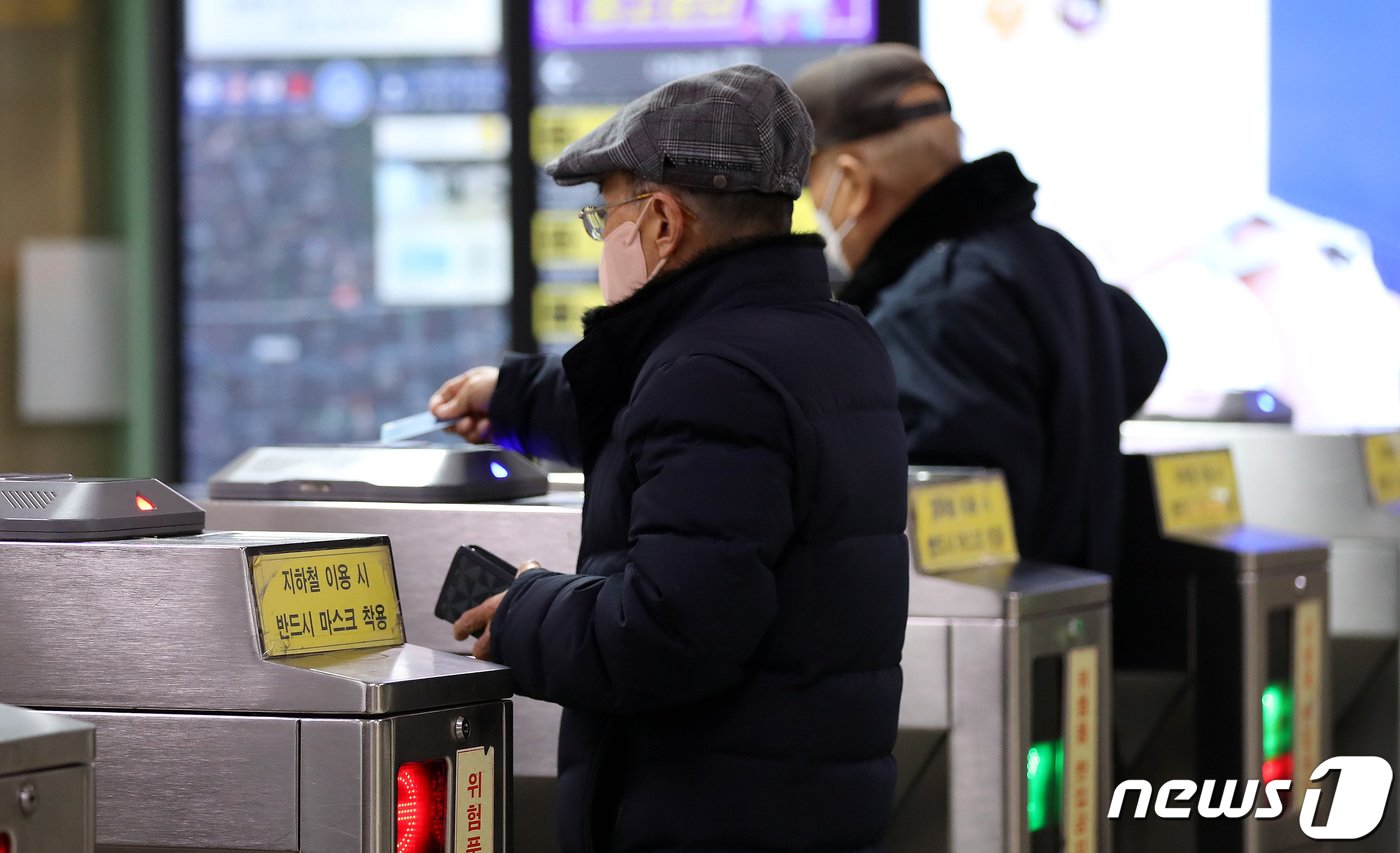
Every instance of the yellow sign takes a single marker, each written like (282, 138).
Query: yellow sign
(552, 129)
(322, 600)
(559, 310)
(1081, 779)
(961, 524)
(1308, 635)
(475, 824)
(1196, 491)
(1383, 466)
(561, 242)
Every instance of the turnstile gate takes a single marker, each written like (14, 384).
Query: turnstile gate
(45, 783)
(425, 536)
(1017, 630)
(251, 691)
(1220, 643)
(1340, 488)
(1004, 728)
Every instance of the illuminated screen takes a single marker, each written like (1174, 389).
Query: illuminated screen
(344, 199)
(594, 56)
(1216, 161)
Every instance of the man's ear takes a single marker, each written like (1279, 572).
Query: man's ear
(668, 225)
(853, 198)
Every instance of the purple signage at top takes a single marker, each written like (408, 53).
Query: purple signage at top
(679, 23)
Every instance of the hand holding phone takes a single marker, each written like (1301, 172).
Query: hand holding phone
(475, 575)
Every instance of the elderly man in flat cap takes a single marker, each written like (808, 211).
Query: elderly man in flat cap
(727, 654)
(1009, 350)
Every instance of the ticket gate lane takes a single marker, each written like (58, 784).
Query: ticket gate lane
(210, 740)
(989, 626)
(1227, 613)
(46, 783)
(1320, 485)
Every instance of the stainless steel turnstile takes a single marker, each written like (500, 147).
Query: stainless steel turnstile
(425, 536)
(45, 783)
(1004, 727)
(1321, 486)
(1220, 644)
(1019, 633)
(252, 691)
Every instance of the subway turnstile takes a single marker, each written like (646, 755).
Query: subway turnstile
(46, 803)
(1029, 638)
(1004, 725)
(425, 536)
(1344, 489)
(253, 691)
(1220, 643)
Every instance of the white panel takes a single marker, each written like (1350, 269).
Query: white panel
(72, 331)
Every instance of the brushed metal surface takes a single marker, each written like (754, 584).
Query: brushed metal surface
(167, 624)
(1017, 591)
(188, 780)
(33, 740)
(424, 537)
(62, 819)
(984, 707)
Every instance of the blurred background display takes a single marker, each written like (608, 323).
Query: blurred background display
(593, 56)
(344, 215)
(1223, 164)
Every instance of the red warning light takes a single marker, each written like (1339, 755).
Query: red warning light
(4, 842)
(1278, 768)
(143, 504)
(421, 807)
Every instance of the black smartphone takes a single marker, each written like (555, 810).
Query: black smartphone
(475, 575)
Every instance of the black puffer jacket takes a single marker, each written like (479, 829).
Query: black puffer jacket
(728, 653)
(1011, 352)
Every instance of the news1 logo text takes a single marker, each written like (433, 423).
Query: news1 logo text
(1358, 801)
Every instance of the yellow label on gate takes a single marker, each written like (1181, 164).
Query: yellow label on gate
(1196, 491)
(961, 524)
(1308, 635)
(326, 599)
(475, 814)
(1382, 453)
(1081, 779)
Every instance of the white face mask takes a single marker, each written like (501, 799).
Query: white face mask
(834, 237)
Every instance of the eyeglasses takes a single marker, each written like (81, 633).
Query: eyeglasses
(594, 216)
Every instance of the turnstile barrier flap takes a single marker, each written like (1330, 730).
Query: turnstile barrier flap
(31, 741)
(172, 625)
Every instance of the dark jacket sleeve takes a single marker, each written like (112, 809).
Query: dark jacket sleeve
(532, 409)
(1144, 351)
(967, 364)
(711, 446)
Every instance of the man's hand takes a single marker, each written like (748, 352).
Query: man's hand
(479, 619)
(466, 400)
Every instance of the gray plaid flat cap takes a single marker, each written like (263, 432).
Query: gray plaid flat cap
(736, 129)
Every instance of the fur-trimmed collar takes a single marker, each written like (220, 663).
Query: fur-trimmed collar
(971, 197)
